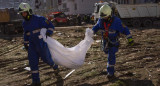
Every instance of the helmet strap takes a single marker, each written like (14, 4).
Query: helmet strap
(107, 19)
(28, 17)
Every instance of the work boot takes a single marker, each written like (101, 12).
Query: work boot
(104, 72)
(110, 77)
(55, 68)
(34, 84)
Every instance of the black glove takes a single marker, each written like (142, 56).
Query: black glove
(48, 34)
(26, 46)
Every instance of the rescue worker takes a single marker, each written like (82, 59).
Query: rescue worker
(111, 27)
(33, 41)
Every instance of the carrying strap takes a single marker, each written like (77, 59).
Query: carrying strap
(107, 27)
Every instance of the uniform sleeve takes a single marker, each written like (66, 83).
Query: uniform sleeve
(26, 38)
(122, 28)
(44, 23)
(97, 26)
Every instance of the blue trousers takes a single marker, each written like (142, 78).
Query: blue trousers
(38, 48)
(111, 50)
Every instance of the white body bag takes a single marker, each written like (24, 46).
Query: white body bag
(69, 57)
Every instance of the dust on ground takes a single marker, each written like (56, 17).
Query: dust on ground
(137, 65)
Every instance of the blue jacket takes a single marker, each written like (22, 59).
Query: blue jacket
(115, 28)
(36, 22)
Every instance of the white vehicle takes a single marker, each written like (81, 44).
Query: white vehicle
(139, 14)
(136, 15)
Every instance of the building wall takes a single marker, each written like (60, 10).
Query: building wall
(13, 3)
(55, 4)
(85, 6)
(79, 6)
(48, 4)
(67, 6)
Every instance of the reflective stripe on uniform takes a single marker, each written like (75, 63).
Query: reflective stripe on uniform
(40, 36)
(113, 42)
(112, 32)
(50, 29)
(36, 71)
(26, 42)
(53, 65)
(110, 65)
(128, 36)
(34, 31)
(28, 33)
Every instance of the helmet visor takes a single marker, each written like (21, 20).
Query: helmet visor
(102, 15)
(21, 10)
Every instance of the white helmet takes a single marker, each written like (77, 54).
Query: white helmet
(105, 11)
(25, 7)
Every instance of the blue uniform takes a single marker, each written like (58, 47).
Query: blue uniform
(37, 47)
(110, 45)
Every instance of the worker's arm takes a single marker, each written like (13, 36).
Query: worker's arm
(124, 30)
(26, 38)
(44, 23)
(97, 26)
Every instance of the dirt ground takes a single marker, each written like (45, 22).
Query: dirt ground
(138, 65)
